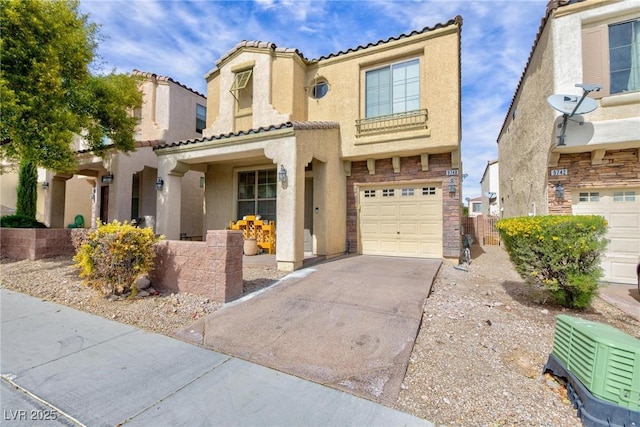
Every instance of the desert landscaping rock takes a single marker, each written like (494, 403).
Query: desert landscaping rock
(478, 358)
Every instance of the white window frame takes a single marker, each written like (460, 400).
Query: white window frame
(394, 88)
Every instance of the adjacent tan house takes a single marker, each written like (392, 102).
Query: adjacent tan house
(553, 162)
(123, 186)
(355, 151)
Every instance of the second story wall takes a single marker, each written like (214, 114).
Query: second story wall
(426, 64)
(169, 110)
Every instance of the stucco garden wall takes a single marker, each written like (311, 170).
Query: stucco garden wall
(212, 268)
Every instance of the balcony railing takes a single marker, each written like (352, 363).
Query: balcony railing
(399, 121)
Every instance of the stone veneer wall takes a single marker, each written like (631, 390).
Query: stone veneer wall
(619, 169)
(410, 170)
(35, 243)
(212, 268)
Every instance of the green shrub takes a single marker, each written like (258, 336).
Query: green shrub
(20, 221)
(558, 254)
(113, 256)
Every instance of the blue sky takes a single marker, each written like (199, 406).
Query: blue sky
(183, 39)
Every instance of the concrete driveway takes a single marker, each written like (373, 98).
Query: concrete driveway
(348, 323)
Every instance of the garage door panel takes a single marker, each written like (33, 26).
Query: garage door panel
(623, 245)
(623, 270)
(621, 209)
(629, 220)
(409, 223)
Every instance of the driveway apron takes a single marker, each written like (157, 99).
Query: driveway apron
(349, 323)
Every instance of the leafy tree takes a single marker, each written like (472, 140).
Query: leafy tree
(49, 94)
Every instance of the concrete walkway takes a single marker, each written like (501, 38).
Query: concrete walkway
(61, 366)
(625, 297)
(348, 323)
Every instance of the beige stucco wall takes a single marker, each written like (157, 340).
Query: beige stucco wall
(437, 51)
(78, 199)
(525, 141)
(8, 193)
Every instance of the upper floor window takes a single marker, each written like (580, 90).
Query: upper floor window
(242, 88)
(201, 117)
(611, 57)
(319, 89)
(624, 56)
(393, 89)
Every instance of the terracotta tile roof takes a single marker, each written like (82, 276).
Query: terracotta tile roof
(551, 6)
(269, 45)
(138, 144)
(455, 21)
(164, 79)
(289, 125)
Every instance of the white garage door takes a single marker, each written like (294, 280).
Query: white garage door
(621, 209)
(401, 220)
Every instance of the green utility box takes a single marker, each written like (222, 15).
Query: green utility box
(603, 358)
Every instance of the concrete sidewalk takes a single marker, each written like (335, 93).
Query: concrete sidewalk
(61, 366)
(348, 323)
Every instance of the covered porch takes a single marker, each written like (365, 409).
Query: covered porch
(290, 174)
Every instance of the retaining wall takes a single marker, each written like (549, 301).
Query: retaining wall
(35, 243)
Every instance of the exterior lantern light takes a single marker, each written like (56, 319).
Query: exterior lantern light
(159, 184)
(45, 185)
(108, 178)
(559, 191)
(282, 175)
(452, 186)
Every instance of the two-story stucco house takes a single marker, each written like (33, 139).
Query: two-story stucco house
(123, 186)
(357, 151)
(586, 163)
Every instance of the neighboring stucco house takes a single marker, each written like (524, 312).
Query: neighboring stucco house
(357, 151)
(123, 186)
(591, 164)
(490, 188)
(475, 207)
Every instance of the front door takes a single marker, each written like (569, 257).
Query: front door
(104, 204)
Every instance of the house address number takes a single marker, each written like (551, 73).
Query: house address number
(559, 172)
(452, 172)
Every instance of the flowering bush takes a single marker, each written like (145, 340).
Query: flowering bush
(559, 254)
(112, 257)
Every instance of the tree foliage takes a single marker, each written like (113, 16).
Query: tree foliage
(48, 92)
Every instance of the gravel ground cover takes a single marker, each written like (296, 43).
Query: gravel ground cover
(477, 360)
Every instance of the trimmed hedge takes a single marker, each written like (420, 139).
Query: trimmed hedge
(20, 221)
(558, 254)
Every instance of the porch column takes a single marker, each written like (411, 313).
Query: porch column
(289, 205)
(169, 198)
(54, 200)
(290, 219)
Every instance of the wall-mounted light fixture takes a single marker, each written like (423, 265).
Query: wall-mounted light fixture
(559, 191)
(45, 185)
(107, 179)
(159, 184)
(282, 175)
(452, 186)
